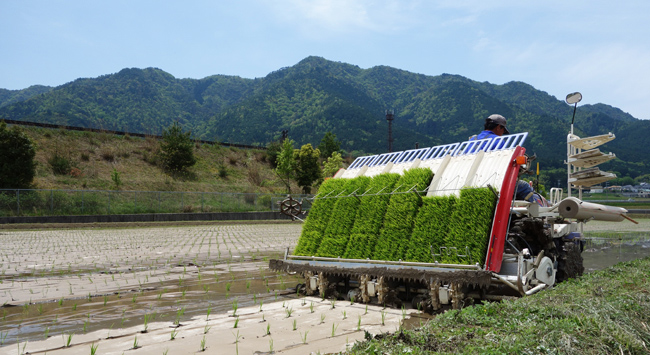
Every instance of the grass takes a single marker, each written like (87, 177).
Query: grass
(604, 312)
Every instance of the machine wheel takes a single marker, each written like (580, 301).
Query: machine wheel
(531, 233)
(569, 261)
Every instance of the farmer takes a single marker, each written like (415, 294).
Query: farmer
(496, 126)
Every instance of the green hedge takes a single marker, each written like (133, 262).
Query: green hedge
(318, 218)
(431, 227)
(470, 225)
(395, 235)
(342, 218)
(370, 217)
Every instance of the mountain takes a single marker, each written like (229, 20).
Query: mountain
(8, 97)
(316, 96)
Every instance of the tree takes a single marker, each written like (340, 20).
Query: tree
(328, 145)
(17, 166)
(272, 151)
(286, 164)
(333, 164)
(176, 149)
(307, 167)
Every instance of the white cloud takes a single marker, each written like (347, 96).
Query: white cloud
(322, 18)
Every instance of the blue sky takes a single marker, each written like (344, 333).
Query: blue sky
(600, 48)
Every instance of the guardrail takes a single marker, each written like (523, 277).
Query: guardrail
(123, 133)
(24, 202)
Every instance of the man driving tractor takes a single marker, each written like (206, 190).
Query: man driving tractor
(496, 126)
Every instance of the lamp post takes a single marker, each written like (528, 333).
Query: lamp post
(390, 117)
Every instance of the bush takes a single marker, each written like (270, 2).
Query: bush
(395, 234)
(17, 166)
(60, 165)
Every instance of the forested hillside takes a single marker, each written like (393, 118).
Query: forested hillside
(316, 96)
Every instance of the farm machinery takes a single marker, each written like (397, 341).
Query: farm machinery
(457, 236)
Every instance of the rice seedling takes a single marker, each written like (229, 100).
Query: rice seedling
(24, 346)
(303, 336)
(207, 316)
(311, 307)
(359, 324)
(271, 346)
(147, 319)
(322, 318)
(236, 322)
(383, 318)
(289, 311)
(400, 215)
(173, 334)
(333, 302)
(206, 329)
(179, 314)
(93, 348)
(237, 337)
(345, 315)
(67, 340)
(268, 329)
(202, 346)
(334, 327)
(235, 306)
(135, 343)
(46, 334)
(295, 325)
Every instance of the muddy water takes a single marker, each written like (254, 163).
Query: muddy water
(171, 301)
(603, 252)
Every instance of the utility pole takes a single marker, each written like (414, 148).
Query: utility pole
(390, 117)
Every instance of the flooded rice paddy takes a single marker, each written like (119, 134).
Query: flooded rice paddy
(67, 283)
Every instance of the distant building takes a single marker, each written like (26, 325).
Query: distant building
(596, 190)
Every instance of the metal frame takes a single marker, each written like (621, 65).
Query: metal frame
(440, 151)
